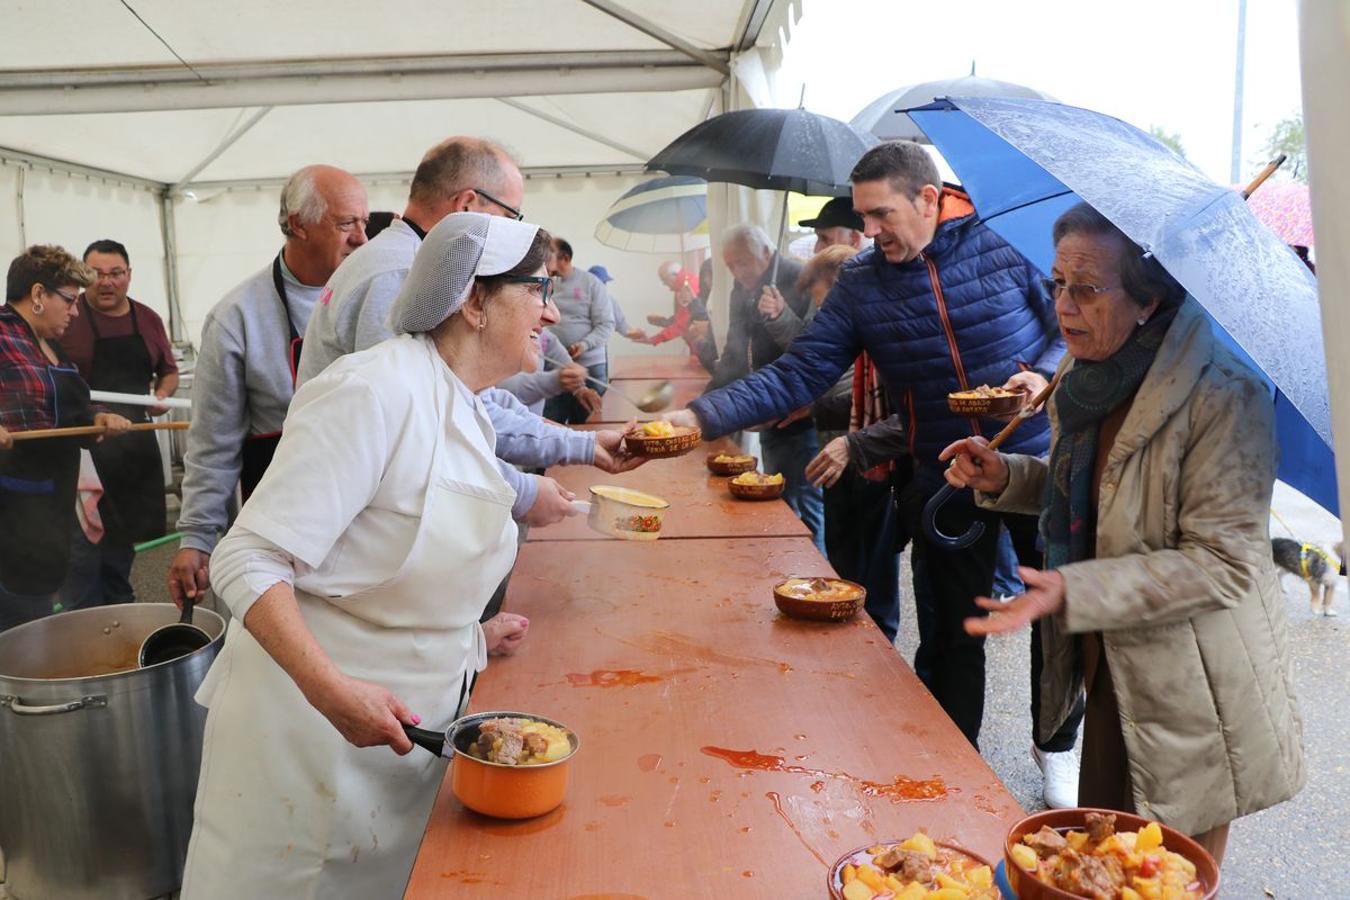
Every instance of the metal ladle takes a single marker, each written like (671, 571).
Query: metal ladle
(174, 640)
(655, 400)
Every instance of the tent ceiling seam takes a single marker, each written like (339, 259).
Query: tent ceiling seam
(652, 30)
(575, 129)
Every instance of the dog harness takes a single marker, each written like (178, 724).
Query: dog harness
(1304, 551)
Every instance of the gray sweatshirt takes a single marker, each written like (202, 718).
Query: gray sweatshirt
(533, 389)
(241, 386)
(587, 315)
(352, 316)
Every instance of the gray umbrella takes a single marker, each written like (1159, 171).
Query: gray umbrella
(882, 117)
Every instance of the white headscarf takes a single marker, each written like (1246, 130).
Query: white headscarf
(460, 248)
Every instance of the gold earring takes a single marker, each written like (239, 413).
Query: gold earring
(38, 308)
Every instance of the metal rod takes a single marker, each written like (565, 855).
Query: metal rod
(652, 30)
(227, 143)
(575, 129)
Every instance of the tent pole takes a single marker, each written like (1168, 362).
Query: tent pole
(169, 240)
(224, 145)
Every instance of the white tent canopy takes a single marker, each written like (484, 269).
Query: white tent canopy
(178, 119)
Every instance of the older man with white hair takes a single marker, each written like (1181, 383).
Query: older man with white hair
(248, 356)
(762, 294)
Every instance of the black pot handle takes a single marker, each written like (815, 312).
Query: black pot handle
(431, 741)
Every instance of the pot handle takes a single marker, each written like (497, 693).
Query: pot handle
(432, 741)
(18, 707)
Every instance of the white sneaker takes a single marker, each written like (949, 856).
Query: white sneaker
(1061, 777)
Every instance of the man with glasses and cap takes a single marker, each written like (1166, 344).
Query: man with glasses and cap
(358, 570)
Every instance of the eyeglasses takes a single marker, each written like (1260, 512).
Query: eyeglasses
(1080, 293)
(70, 301)
(114, 274)
(544, 283)
(510, 210)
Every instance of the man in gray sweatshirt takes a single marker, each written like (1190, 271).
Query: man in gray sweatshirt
(244, 376)
(584, 329)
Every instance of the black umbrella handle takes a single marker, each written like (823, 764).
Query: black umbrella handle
(930, 528)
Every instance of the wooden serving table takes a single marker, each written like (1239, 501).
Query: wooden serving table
(726, 751)
(666, 367)
(700, 505)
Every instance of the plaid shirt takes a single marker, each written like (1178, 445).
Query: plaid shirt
(27, 393)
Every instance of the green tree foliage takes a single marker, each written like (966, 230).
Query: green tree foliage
(1287, 138)
(1171, 140)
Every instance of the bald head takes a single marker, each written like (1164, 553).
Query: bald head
(323, 215)
(668, 271)
(465, 174)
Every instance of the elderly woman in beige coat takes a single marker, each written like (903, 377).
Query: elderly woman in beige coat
(1159, 594)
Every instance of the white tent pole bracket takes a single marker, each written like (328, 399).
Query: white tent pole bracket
(651, 29)
(575, 129)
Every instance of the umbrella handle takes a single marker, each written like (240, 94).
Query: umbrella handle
(1268, 171)
(936, 535)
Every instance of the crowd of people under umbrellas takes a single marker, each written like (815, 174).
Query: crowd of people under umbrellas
(1143, 561)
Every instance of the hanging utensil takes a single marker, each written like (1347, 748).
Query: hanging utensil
(936, 502)
(80, 430)
(174, 640)
(655, 400)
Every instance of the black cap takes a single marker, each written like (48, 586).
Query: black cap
(838, 213)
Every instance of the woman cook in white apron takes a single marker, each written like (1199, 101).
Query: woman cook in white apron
(356, 573)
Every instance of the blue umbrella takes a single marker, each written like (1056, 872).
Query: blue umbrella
(1026, 161)
(663, 215)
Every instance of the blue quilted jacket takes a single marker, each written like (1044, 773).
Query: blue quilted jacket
(968, 311)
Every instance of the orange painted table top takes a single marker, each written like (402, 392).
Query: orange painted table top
(700, 505)
(664, 366)
(726, 751)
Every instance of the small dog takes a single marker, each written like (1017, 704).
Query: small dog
(1315, 566)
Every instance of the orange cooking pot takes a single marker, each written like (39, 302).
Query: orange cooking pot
(494, 789)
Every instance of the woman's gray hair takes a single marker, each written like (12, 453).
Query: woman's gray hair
(1141, 275)
(751, 237)
(301, 196)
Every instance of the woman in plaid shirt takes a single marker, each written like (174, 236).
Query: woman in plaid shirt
(39, 388)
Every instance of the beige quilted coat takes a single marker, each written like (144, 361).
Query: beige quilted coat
(1183, 590)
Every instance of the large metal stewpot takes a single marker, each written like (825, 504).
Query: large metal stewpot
(98, 758)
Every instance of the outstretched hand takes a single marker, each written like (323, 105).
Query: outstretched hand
(1044, 596)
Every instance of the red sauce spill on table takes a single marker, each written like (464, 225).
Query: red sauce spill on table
(649, 761)
(778, 808)
(901, 788)
(612, 678)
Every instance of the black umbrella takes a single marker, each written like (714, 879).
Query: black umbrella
(885, 119)
(769, 149)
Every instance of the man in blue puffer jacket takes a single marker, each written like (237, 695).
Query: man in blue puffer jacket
(941, 303)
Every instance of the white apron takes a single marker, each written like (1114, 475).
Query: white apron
(285, 807)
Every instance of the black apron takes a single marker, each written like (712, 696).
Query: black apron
(260, 448)
(129, 466)
(37, 493)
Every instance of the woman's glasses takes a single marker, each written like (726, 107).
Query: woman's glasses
(70, 299)
(1081, 292)
(543, 282)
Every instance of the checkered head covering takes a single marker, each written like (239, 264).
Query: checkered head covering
(461, 247)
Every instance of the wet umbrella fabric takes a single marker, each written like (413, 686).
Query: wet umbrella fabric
(768, 149)
(1025, 161)
(662, 215)
(885, 116)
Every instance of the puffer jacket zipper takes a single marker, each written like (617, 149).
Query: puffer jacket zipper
(951, 334)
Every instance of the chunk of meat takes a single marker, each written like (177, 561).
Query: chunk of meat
(907, 865)
(1100, 827)
(485, 741)
(537, 744)
(1090, 876)
(1046, 842)
(508, 752)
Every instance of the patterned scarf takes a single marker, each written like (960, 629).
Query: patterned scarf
(869, 406)
(1086, 395)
